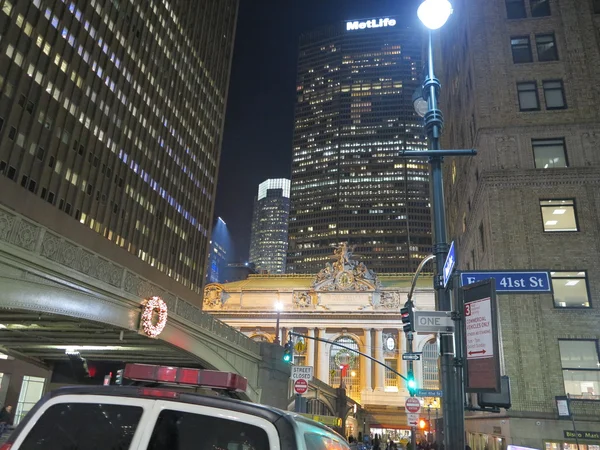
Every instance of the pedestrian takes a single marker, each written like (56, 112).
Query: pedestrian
(353, 443)
(5, 418)
(376, 443)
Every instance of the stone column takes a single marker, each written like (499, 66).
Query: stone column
(379, 370)
(368, 363)
(310, 348)
(323, 366)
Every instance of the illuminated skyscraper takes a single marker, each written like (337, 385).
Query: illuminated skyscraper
(111, 112)
(354, 116)
(269, 241)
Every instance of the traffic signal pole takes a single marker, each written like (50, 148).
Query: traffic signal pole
(409, 349)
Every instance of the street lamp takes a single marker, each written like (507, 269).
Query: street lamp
(278, 308)
(434, 14)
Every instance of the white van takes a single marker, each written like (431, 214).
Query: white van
(148, 418)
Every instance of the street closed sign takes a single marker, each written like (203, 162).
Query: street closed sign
(302, 373)
(413, 405)
(300, 386)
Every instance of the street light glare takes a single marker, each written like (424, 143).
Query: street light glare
(434, 13)
(278, 306)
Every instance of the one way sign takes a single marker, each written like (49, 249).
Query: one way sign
(449, 264)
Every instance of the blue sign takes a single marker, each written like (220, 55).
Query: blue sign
(507, 282)
(429, 393)
(449, 264)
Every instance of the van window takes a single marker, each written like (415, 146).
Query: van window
(84, 425)
(316, 441)
(178, 430)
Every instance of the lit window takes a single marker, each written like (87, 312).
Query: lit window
(559, 215)
(549, 153)
(581, 368)
(554, 94)
(528, 96)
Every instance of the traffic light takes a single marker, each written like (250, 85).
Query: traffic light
(423, 424)
(119, 377)
(411, 384)
(287, 352)
(407, 319)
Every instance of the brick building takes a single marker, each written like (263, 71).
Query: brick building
(520, 84)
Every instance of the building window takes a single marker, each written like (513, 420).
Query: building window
(521, 49)
(540, 8)
(515, 9)
(554, 94)
(391, 378)
(431, 378)
(528, 96)
(549, 153)
(344, 366)
(570, 289)
(559, 215)
(581, 368)
(32, 389)
(596, 4)
(482, 237)
(546, 47)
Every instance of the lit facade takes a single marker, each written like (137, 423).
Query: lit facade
(269, 240)
(520, 85)
(354, 116)
(347, 303)
(217, 258)
(112, 112)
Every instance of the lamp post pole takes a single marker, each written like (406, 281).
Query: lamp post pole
(434, 14)
(278, 308)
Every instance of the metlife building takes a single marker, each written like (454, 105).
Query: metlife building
(353, 118)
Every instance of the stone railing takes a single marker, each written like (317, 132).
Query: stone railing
(43, 243)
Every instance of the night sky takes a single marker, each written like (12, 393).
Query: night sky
(260, 113)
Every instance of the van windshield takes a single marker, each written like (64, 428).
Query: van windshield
(88, 426)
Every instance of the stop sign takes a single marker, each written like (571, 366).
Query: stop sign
(300, 386)
(413, 405)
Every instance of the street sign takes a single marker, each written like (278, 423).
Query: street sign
(412, 419)
(481, 337)
(302, 373)
(429, 393)
(300, 386)
(449, 264)
(413, 405)
(478, 322)
(434, 322)
(507, 282)
(411, 356)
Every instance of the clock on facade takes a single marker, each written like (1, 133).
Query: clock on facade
(390, 344)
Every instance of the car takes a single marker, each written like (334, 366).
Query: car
(163, 418)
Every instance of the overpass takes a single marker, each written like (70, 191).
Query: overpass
(57, 296)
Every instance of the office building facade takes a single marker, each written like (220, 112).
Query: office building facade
(353, 118)
(520, 84)
(269, 240)
(112, 113)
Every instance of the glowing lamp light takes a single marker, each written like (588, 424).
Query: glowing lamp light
(434, 13)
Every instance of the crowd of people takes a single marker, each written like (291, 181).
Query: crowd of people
(375, 442)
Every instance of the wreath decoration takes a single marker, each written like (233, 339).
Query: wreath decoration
(154, 305)
(351, 358)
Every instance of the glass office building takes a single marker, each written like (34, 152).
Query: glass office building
(112, 112)
(269, 241)
(354, 117)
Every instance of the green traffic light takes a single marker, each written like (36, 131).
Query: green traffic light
(412, 384)
(287, 357)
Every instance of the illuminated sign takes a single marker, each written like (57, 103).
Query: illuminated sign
(373, 23)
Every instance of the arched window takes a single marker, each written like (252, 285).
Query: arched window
(344, 365)
(431, 373)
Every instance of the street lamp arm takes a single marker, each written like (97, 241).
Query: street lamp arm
(416, 276)
(292, 333)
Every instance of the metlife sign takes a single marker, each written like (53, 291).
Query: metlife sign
(372, 23)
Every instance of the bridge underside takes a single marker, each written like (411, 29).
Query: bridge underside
(44, 339)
